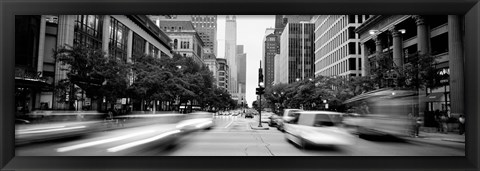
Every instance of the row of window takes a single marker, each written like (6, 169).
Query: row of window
(342, 67)
(118, 39)
(352, 48)
(89, 30)
(204, 18)
(213, 25)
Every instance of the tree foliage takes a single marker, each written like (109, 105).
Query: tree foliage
(146, 78)
(92, 71)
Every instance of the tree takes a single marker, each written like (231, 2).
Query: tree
(93, 72)
(417, 73)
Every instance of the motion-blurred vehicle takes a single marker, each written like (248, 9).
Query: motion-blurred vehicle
(317, 128)
(266, 116)
(288, 114)
(248, 115)
(383, 112)
(50, 125)
(274, 119)
(196, 121)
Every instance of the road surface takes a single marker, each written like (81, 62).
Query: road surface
(231, 136)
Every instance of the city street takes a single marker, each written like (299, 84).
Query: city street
(231, 136)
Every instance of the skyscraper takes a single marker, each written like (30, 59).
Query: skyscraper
(242, 72)
(337, 54)
(268, 56)
(206, 27)
(231, 53)
(296, 60)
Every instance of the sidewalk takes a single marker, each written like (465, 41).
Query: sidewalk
(254, 126)
(432, 134)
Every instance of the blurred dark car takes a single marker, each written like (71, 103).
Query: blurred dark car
(248, 115)
(49, 125)
(274, 120)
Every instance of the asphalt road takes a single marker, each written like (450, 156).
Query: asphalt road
(231, 136)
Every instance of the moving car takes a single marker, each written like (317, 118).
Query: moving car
(266, 116)
(317, 128)
(248, 115)
(288, 114)
(40, 126)
(196, 121)
(274, 119)
(383, 112)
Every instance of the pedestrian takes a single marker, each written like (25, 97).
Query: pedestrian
(443, 121)
(438, 121)
(461, 124)
(418, 124)
(411, 125)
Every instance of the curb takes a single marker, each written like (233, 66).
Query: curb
(453, 140)
(258, 128)
(436, 142)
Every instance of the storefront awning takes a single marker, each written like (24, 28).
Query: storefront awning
(434, 97)
(33, 83)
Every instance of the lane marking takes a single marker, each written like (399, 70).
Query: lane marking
(78, 146)
(229, 124)
(50, 130)
(144, 141)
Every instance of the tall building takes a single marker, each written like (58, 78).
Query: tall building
(223, 75)
(242, 72)
(37, 72)
(231, 54)
(206, 26)
(268, 56)
(185, 39)
(337, 46)
(277, 69)
(406, 36)
(210, 61)
(296, 59)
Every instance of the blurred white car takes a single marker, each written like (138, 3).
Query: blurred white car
(196, 121)
(317, 128)
(266, 116)
(288, 114)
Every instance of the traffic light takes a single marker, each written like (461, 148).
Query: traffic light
(260, 75)
(260, 91)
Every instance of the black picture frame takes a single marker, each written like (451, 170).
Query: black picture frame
(10, 8)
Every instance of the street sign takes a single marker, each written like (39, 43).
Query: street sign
(88, 101)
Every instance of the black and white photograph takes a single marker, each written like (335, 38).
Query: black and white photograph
(240, 85)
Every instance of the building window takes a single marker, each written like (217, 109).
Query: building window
(351, 64)
(351, 48)
(118, 40)
(351, 18)
(138, 45)
(184, 44)
(27, 33)
(351, 32)
(154, 51)
(175, 44)
(88, 31)
(439, 44)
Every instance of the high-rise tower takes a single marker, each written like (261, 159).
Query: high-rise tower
(231, 53)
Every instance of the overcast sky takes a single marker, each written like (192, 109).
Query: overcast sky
(250, 33)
